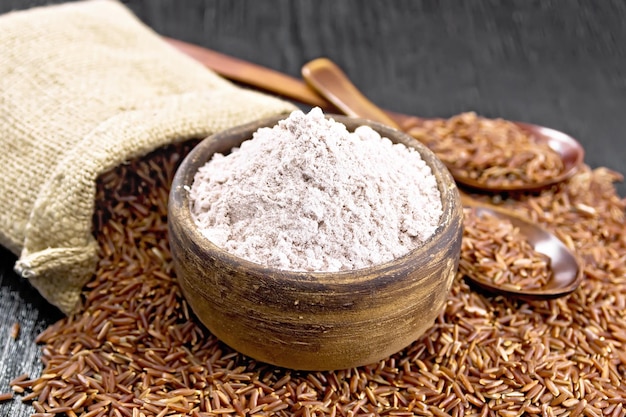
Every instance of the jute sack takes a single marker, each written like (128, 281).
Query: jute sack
(84, 87)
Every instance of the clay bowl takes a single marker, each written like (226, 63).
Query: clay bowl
(313, 320)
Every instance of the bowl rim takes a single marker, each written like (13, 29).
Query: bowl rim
(179, 205)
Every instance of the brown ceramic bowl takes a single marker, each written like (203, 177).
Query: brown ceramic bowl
(313, 320)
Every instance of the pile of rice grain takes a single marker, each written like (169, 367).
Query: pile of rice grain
(495, 251)
(494, 152)
(136, 350)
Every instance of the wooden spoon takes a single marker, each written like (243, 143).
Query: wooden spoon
(332, 83)
(566, 271)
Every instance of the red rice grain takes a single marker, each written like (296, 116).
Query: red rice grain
(6, 396)
(15, 330)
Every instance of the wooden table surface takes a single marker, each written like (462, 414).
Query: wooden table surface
(560, 64)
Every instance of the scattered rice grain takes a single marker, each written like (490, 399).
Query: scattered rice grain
(135, 349)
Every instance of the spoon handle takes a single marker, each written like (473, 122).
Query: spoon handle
(252, 74)
(333, 84)
(269, 80)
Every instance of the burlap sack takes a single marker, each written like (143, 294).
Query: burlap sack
(84, 87)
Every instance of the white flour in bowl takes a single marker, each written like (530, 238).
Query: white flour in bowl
(308, 195)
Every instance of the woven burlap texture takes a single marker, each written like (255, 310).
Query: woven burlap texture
(84, 87)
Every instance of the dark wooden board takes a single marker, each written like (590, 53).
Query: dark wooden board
(557, 63)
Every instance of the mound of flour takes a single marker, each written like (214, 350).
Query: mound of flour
(308, 195)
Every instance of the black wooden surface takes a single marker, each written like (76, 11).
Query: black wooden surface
(557, 63)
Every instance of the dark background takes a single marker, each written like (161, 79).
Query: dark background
(560, 64)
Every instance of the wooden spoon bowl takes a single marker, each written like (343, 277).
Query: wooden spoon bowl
(566, 273)
(569, 150)
(313, 320)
